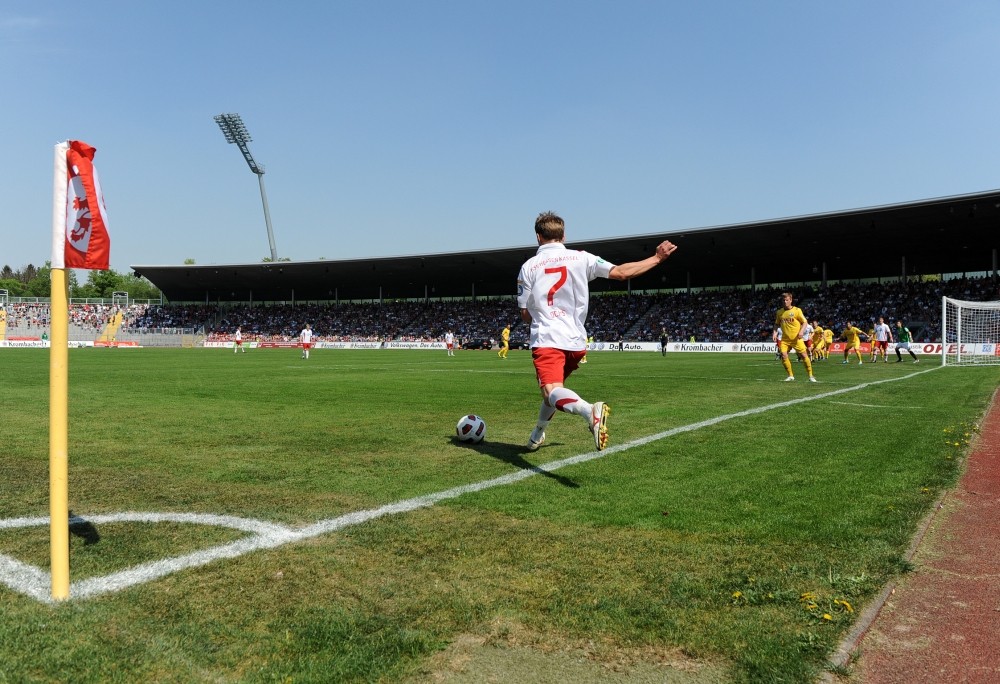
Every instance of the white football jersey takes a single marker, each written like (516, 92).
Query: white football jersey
(554, 287)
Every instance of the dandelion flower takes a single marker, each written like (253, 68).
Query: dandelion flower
(847, 606)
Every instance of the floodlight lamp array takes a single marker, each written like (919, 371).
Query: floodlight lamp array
(233, 128)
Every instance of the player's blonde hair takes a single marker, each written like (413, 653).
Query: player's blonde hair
(550, 226)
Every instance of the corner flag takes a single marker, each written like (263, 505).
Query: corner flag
(79, 240)
(80, 226)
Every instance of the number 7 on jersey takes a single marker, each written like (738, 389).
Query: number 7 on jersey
(561, 270)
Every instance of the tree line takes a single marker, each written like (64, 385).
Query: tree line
(32, 281)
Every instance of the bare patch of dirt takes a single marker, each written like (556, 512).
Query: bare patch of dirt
(510, 653)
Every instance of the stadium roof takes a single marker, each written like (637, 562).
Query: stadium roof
(956, 234)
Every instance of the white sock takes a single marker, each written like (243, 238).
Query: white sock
(545, 414)
(565, 399)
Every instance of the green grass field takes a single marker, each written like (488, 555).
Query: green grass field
(738, 550)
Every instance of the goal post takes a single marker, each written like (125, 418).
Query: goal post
(970, 333)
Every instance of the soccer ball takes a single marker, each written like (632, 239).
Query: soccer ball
(471, 429)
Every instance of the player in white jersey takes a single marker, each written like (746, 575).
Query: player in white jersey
(238, 339)
(806, 333)
(449, 342)
(553, 293)
(883, 336)
(306, 338)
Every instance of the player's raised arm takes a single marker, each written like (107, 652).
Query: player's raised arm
(637, 268)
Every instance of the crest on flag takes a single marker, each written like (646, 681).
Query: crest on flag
(80, 228)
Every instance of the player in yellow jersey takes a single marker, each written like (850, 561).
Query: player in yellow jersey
(817, 341)
(827, 342)
(871, 338)
(504, 342)
(853, 337)
(790, 320)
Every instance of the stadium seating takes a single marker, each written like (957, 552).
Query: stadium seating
(707, 315)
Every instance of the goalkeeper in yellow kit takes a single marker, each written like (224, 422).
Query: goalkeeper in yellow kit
(790, 321)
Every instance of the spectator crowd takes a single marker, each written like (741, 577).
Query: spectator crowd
(705, 316)
(90, 317)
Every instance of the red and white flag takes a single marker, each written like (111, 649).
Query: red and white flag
(79, 218)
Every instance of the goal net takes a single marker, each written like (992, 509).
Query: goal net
(970, 333)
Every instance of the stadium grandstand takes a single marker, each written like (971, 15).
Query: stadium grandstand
(952, 235)
(722, 285)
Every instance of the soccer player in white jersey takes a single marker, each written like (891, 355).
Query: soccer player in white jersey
(883, 336)
(806, 333)
(449, 342)
(553, 293)
(306, 338)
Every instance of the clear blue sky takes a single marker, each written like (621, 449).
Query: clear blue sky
(401, 127)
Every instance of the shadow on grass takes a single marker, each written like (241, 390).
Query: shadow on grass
(78, 527)
(513, 454)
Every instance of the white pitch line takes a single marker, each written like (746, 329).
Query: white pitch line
(35, 583)
(849, 403)
(26, 579)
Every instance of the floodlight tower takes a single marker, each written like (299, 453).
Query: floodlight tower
(236, 133)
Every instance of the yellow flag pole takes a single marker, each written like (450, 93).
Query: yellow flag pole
(59, 388)
(59, 436)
